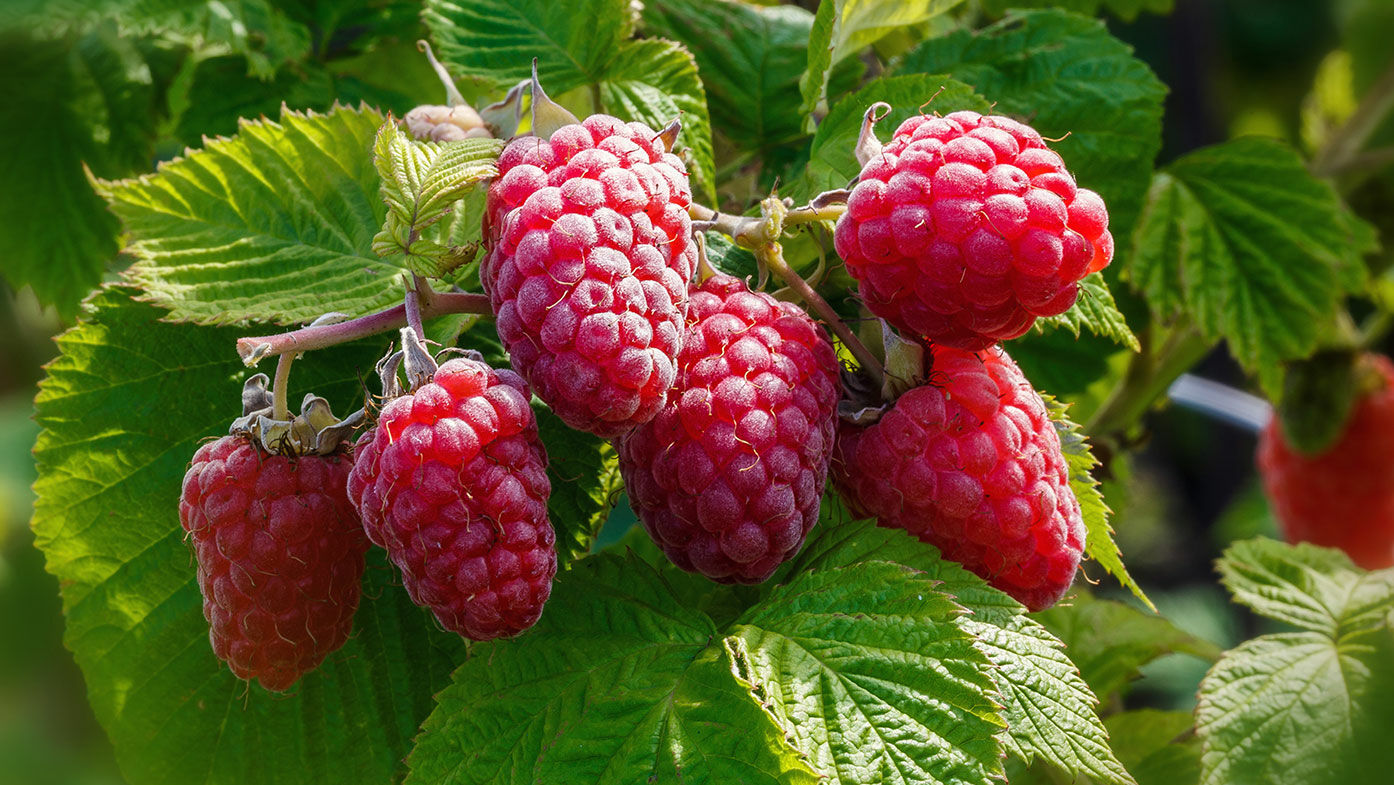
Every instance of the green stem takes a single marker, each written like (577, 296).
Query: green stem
(810, 214)
(771, 254)
(279, 409)
(1376, 326)
(1344, 145)
(1147, 379)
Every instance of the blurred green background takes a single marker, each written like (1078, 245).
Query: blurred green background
(1235, 67)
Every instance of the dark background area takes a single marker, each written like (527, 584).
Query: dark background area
(1236, 67)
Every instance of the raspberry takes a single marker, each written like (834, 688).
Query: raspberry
(589, 254)
(362, 489)
(971, 464)
(454, 485)
(727, 478)
(965, 228)
(1344, 497)
(280, 553)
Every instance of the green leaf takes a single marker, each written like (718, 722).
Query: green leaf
(1099, 544)
(1299, 708)
(832, 159)
(1082, 371)
(867, 668)
(1066, 76)
(842, 28)
(71, 102)
(123, 408)
(1318, 589)
(421, 182)
(580, 45)
(1110, 641)
(728, 257)
(750, 58)
(496, 40)
(254, 28)
(655, 82)
(274, 224)
(1048, 706)
(585, 475)
(620, 681)
(1311, 707)
(1096, 312)
(1158, 747)
(1243, 240)
(1127, 10)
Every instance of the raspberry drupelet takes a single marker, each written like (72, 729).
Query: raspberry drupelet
(589, 253)
(454, 486)
(727, 479)
(964, 229)
(971, 463)
(280, 554)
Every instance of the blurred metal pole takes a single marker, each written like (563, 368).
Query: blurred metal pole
(1221, 402)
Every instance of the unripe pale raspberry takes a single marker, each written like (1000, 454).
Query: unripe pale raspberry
(589, 253)
(965, 228)
(728, 477)
(971, 464)
(280, 553)
(454, 485)
(1344, 497)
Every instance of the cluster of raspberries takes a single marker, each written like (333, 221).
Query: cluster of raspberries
(721, 401)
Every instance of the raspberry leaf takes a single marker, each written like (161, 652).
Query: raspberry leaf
(1158, 747)
(1299, 707)
(1069, 78)
(1110, 641)
(585, 475)
(1095, 311)
(1099, 545)
(421, 182)
(75, 104)
(496, 40)
(1194, 251)
(906, 693)
(1318, 589)
(1127, 10)
(275, 223)
(577, 46)
(618, 682)
(750, 58)
(841, 28)
(655, 81)
(1048, 707)
(1336, 669)
(111, 459)
(832, 160)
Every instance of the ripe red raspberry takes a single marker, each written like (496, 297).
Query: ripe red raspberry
(1344, 497)
(362, 487)
(728, 477)
(454, 485)
(589, 253)
(280, 553)
(971, 464)
(965, 228)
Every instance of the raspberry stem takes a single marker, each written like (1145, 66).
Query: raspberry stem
(412, 301)
(253, 349)
(761, 234)
(279, 409)
(771, 254)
